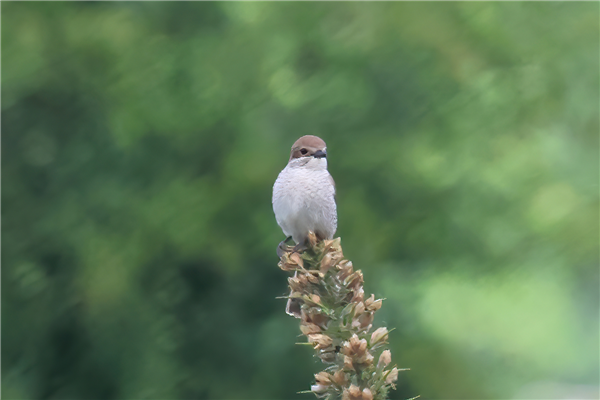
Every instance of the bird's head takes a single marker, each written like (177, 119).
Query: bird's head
(310, 151)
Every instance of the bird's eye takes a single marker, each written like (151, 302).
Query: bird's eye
(303, 151)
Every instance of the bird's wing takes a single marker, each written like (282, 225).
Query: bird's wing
(333, 184)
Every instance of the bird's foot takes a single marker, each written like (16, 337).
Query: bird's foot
(299, 248)
(284, 247)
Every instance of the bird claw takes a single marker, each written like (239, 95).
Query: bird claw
(284, 248)
(299, 248)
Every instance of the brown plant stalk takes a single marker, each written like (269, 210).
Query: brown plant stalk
(337, 321)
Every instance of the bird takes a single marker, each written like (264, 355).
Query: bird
(304, 198)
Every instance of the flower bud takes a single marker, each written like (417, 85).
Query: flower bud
(365, 360)
(376, 305)
(323, 378)
(353, 345)
(339, 377)
(302, 280)
(336, 245)
(321, 320)
(345, 270)
(352, 393)
(379, 335)
(392, 376)
(365, 320)
(295, 284)
(327, 262)
(358, 295)
(295, 258)
(315, 298)
(312, 278)
(384, 359)
(318, 389)
(366, 394)
(359, 309)
(362, 348)
(355, 280)
(348, 363)
(320, 341)
(308, 328)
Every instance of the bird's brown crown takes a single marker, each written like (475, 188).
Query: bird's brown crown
(307, 146)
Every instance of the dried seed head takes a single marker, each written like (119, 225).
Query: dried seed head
(392, 376)
(380, 335)
(384, 359)
(331, 291)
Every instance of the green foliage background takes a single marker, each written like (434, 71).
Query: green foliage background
(141, 142)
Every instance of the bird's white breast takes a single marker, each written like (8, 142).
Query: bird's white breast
(304, 199)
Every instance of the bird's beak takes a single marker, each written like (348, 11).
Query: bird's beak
(320, 154)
